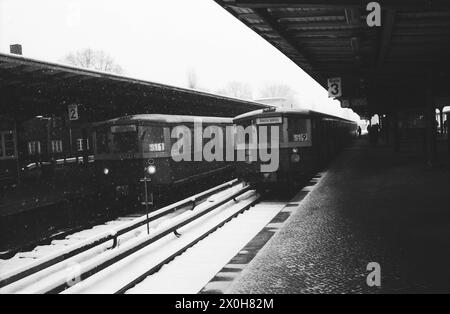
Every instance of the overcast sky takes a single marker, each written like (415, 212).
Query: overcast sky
(157, 41)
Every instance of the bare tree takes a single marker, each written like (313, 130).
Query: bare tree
(237, 90)
(192, 79)
(274, 89)
(279, 90)
(93, 59)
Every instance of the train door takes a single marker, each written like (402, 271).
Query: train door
(299, 152)
(9, 168)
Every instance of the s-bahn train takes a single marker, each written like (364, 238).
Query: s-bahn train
(9, 168)
(133, 149)
(306, 140)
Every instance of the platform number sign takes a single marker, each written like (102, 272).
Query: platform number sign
(73, 112)
(334, 87)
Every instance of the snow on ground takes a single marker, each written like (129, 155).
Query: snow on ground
(56, 274)
(118, 275)
(191, 271)
(25, 259)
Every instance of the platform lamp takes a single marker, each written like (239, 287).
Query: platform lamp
(149, 170)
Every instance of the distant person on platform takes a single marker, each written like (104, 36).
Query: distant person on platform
(374, 132)
(359, 131)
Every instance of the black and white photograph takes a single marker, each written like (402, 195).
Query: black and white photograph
(224, 155)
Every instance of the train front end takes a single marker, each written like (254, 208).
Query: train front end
(130, 161)
(277, 146)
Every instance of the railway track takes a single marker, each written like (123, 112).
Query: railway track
(140, 264)
(193, 266)
(68, 268)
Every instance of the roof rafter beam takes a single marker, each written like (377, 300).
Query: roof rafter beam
(326, 34)
(341, 4)
(353, 18)
(314, 25)
(293, 3)
(269, 20)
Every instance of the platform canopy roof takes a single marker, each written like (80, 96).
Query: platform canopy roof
(31, 87)
(395, 64)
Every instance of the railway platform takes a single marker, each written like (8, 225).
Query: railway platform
(40, 187)
(42, 204)
(372, 205)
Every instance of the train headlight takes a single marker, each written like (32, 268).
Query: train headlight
(106, 171)
(151, 169)
(295, 150)
(295, 158)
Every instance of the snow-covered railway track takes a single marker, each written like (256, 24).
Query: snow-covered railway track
(23, 272)
(166, 245)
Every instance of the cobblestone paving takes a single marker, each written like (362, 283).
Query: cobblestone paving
(372, 206)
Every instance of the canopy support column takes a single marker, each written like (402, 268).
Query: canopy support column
(430, 113)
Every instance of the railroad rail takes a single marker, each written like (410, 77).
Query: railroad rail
(157, 266)
(52, 265)
(22, 272)
(134, 277)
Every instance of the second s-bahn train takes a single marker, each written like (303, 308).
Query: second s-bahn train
(133, 149)
(306, 140)
(43, 139)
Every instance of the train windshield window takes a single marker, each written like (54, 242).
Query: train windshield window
(242, 137)
(298, 130)
(9, 144)
(125, 142)
(152, 139)
(102, 140)
(268, 130)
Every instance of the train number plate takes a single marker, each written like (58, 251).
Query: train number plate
(157, 147)
(303, 137)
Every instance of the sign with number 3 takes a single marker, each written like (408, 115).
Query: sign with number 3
(334, 87)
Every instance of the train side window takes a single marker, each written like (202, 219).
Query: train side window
(34, 148)
(152, 139)
(9, 144)
(81, 146)
(298, 130)
(57, 146)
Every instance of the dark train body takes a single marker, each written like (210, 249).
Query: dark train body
(129, 149)
(307, 140)
(41, 143)
(46, 139)
(9, 167)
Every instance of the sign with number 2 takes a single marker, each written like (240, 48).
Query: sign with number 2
(73, 112)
